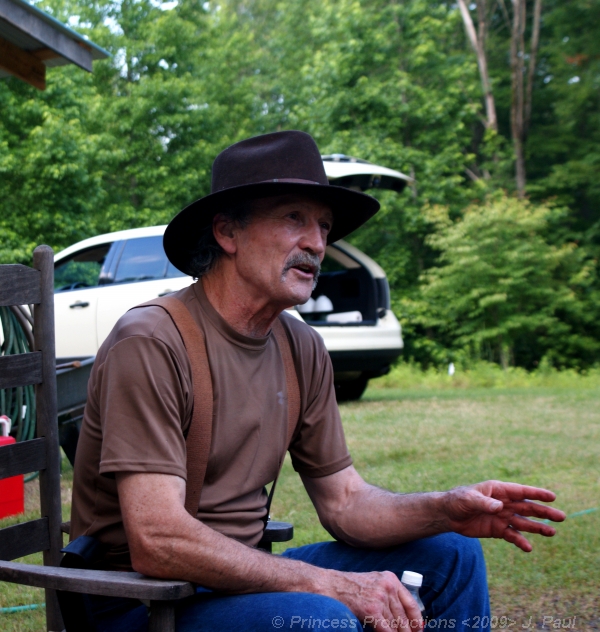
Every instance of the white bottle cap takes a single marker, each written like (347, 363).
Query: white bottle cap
(412, 579)
(5, 424)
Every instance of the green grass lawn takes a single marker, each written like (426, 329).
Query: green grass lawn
(436, 438)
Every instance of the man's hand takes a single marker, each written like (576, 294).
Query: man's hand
(494, 509)
(378, 599)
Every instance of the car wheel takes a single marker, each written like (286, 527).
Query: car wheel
(351, 390)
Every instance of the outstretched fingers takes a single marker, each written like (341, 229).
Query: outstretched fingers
(515, 537)
(535, 510)
(532, 526)
(517, 492)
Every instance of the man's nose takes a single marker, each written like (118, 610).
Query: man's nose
(313, 238)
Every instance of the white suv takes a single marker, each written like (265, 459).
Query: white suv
(97, 280)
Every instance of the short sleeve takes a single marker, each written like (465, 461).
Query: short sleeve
(145, 400)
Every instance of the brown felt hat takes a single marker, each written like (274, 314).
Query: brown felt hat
(264, 166)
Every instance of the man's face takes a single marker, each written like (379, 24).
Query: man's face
(279, 253)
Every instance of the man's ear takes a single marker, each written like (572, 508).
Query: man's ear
(225, 233)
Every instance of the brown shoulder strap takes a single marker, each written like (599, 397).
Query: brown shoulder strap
(197, 443)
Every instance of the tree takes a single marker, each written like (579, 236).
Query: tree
(133, 143)
(392, 82)
(522, 95)
(383, 81)
(478, 43)
(502, 293)
(564, 138)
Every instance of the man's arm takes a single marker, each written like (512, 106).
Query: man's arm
(166, 542)
(487, 510)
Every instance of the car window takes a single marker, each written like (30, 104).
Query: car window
(81, 269)
(141, 260)
(173, 272)
(329, 264)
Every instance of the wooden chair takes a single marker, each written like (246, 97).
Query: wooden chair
(20, 285)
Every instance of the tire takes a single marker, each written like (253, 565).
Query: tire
(351, 390)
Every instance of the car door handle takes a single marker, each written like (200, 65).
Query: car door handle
(79, 304)
(165, 293)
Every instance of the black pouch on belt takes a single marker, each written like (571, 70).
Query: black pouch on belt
(85, 552)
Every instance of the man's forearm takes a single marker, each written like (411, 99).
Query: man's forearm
(194, 552)
(165, 541)
(363, 515)
(381, 518)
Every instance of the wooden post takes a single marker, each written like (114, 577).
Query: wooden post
(162, 617)
(47, 425)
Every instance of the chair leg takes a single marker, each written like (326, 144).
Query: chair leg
(162, 617)
(54, 620)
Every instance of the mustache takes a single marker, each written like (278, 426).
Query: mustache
(304, 258)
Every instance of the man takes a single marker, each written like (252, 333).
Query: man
(256, 243)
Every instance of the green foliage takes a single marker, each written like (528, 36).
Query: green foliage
(391, 82)
(503, 292)
(409, 377)
(564, 155)
(48, 184)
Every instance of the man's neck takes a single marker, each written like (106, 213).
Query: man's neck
(248, 315)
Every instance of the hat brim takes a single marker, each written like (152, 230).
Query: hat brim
(350, 209)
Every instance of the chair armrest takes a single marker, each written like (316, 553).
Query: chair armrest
(107, 583)
(277, 532)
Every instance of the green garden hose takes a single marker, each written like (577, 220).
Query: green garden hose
(18, 403)
(13, 609)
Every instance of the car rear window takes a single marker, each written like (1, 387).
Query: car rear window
(141, 260)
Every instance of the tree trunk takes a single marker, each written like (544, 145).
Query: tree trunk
(477, 41)
(535, 43)
(517, 58)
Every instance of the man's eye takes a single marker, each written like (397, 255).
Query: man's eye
(326, 226)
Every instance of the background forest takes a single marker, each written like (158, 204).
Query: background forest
(492, 107)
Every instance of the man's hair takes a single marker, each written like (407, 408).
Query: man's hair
(207, 251)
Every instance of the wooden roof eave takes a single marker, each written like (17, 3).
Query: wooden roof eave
(30, 40)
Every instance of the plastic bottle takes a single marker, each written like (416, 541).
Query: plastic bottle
(413, 581)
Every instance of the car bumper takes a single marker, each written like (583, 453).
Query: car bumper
(374, 361)
(364, 347)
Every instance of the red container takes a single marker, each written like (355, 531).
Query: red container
(12, 490)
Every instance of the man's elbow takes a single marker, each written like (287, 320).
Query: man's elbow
(337, 525)
(150, 555)
(346, 536)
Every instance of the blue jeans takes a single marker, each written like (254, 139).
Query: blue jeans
(454, 593)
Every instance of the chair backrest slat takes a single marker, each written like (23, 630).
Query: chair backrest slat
(24, 539)
(22, 458)
(20, 369)
(19, 285)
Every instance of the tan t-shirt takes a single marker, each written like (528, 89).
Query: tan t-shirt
(139, 408)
